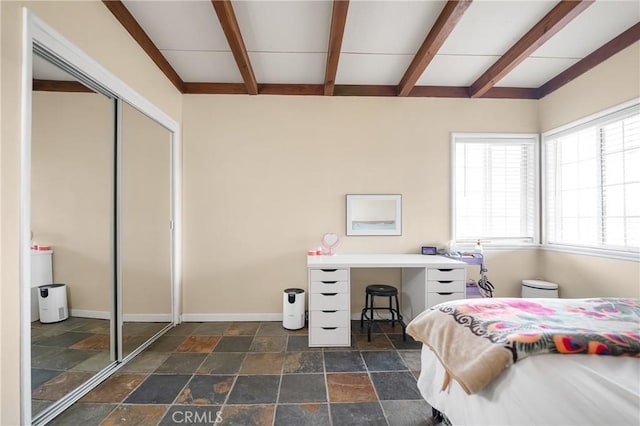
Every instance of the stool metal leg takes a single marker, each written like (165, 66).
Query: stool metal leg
(371, 317)
(366, 305)
(404, 327)
(393, 323)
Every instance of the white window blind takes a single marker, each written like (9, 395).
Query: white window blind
(592, 183)
(495, 187)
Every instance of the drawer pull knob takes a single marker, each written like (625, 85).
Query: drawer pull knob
(328, 270)
(329, 282)
(330, 312)
(445, 294)
(445, 282)
(329, 328)
(446, 270)
(329, 294)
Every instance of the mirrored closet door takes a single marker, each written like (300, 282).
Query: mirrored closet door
(72, 226)
(98, 226)
(145, 227)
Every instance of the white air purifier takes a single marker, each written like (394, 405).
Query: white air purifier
(52, 301)
(293, 308)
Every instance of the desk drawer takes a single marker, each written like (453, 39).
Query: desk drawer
(445, 274)
(329, 318)
(445, 286)
(338, 336)
(329, 287)
(329, 301)
(436, 298)
(329, 275)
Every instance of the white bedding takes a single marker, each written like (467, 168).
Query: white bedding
(548, 389)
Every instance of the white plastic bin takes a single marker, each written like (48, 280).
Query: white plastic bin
(539, 288)
(52, 303)
(293, 308)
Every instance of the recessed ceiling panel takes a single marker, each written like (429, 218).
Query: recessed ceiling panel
(288, 68)
(284, 26)
(204, 67)
(534, 72)
(389, 27)
(492, 27)
(180, 25)
(455, 70)
(595, 26)
(372, 69)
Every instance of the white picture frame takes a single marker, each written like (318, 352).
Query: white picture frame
(374, 214)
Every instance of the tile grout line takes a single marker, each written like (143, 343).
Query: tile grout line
(275, 407)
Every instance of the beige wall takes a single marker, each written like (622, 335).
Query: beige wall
(590, 276)
(265, 177)
(146, 212)
(607, 85)
(79, 22)
(72, 192)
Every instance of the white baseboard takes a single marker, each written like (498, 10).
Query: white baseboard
(231, 317)
(83, 313)
(146, 318)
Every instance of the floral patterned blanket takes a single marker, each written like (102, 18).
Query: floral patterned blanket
(476, 339)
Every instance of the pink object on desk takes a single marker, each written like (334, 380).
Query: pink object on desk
(329, 242)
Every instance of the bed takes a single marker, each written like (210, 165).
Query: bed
(508, 361)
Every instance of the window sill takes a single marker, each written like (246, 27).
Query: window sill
(585, 251)
(498, 247)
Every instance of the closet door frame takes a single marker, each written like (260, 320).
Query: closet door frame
(39, 35)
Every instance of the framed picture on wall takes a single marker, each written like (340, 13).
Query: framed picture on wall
(374, 214)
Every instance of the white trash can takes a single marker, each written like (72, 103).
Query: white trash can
(52, 303)
(293, 309)
(539, 288)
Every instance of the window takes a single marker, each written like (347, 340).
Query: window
(592, 183)
(495, 188)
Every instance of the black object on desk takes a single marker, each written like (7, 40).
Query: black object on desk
(431, 250)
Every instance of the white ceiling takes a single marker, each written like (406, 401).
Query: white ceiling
(287, 41)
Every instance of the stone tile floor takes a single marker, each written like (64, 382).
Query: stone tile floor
(258, 373)
(67, 353)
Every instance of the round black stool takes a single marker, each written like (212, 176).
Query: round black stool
(381, 290)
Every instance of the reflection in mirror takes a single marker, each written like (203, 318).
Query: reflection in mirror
(145, 234)
(72, 175)
(373, 214)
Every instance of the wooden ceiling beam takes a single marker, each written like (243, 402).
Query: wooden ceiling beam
(122, 14)
(66, 86)
(446, 22)
(365, 90)
(338, 20)
(215, 88)
(547, 27)
(227, 18)
(291, 89)
(622, 41)
(356, 90)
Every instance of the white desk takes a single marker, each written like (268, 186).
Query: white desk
(426, 281)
